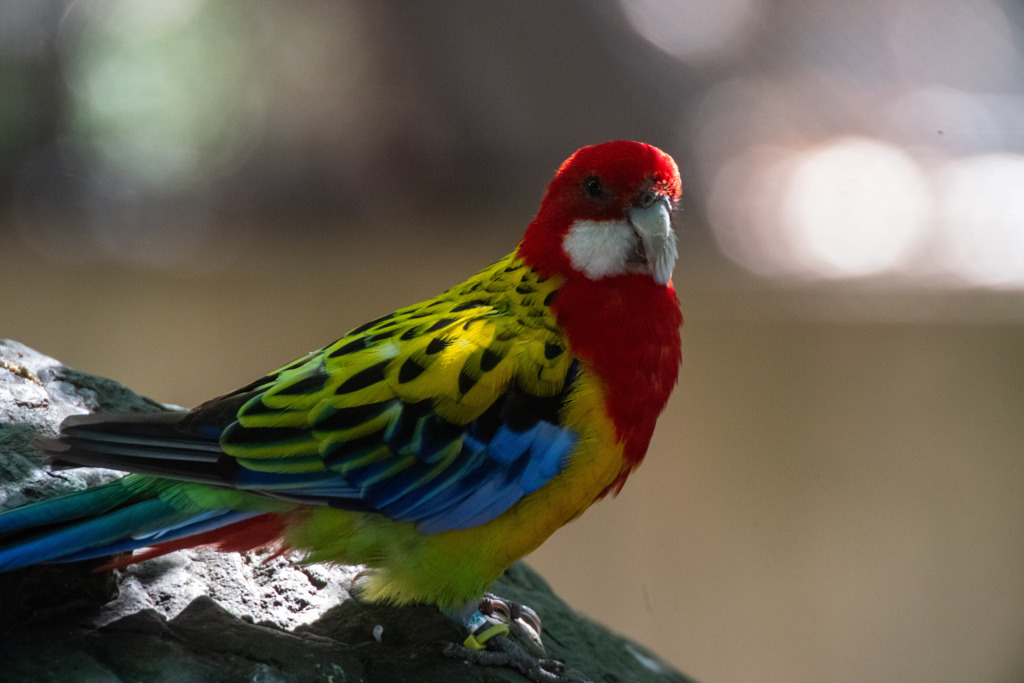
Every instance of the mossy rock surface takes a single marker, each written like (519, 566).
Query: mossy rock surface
(199, 616)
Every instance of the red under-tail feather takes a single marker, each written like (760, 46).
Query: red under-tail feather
(249, 534)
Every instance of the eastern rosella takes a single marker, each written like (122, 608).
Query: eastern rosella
(434, 445)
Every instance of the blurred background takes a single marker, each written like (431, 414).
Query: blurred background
(193, 192)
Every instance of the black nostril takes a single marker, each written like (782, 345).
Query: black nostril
(646, 199)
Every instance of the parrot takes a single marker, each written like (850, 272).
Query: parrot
(434, 445)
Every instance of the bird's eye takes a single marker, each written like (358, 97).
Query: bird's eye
(592, 186)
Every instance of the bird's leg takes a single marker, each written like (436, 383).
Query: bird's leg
(505, 633)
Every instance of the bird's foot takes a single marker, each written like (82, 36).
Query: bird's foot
(515, 614)
(507, 634)
(502, 651)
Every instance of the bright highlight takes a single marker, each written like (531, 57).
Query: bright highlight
(855, 207)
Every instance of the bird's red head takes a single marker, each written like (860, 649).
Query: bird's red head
(604, 226)
(606, 213)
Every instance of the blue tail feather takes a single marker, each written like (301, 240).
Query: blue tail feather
(115, 518)
(198, 524)
(114, 527)
(87, 503)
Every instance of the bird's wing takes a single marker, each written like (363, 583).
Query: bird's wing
(445, 414)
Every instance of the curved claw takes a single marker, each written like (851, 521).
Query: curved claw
(358, 583)
(527, 614)
(512, 613)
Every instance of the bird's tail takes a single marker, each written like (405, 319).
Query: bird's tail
(122, 516)
(177, 498)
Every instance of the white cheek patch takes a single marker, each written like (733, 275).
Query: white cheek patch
(599, 248)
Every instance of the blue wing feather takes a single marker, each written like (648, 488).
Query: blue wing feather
(481, 505)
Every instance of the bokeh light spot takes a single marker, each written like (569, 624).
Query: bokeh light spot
(696, 30)
(981, 214)
(162, 96)
(744, 208)
(850, 208)
(854, 207)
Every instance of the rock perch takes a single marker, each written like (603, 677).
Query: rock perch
(201, 616)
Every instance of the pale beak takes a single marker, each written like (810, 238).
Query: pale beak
(654, 226)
